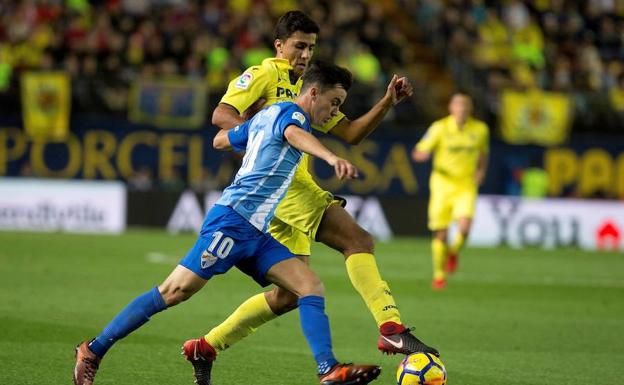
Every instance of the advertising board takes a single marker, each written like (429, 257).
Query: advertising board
(548, 223)
(62, 205)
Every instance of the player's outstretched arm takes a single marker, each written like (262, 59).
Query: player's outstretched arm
(306, 142)
(420, 156)
(481, 168)
(353, 132)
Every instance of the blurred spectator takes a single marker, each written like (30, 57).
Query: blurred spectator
(534, 182)
(105, 45)
(565, 46)
(616, 97)
(141, 180)
(493, 47)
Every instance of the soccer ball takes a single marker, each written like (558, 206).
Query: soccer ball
(421, 369)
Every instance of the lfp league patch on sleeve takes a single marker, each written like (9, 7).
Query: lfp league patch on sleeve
(298, 116)
(244, 81)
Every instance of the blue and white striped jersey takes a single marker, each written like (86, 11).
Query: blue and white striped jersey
(269, 163)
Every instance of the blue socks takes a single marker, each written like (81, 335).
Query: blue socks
(315, 326)
(314, 323)
(128, 320)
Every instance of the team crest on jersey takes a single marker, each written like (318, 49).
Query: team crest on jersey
(244, 81)
(207, 259)
(299, 117)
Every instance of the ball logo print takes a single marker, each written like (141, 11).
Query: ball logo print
(421, 369)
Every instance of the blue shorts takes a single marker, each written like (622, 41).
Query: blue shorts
(227, 239)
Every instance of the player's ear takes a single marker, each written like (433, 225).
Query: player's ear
(279, 45)
(314, 92)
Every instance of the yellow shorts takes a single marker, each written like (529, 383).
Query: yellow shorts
(450, 201)
(295, 240)
(295, 224)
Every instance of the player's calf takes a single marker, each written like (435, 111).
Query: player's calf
(87, 364)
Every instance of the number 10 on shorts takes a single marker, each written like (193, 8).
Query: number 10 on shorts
(220, 247)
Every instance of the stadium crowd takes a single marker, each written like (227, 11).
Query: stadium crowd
(105, 45)
(565, 46)
(568, 46)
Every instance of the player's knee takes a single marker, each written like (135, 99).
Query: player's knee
(360, 242)
(440, 235)
(174, 294)
(312, 286)
(465, 230)
(281, 301)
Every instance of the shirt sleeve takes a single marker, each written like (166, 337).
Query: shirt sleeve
(238, 136)
(246, 89)
(290, 116)
(431, 138)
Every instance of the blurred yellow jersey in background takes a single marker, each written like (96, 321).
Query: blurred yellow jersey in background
(456, 153)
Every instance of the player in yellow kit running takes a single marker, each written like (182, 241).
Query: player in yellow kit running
(307, 212)
(460, 147)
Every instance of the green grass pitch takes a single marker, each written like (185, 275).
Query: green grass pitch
(507, 317)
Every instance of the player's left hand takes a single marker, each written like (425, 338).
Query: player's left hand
(344, 169)
(398, 89)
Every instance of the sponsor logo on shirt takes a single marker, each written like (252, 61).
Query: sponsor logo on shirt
(244, 81)
(285, 91)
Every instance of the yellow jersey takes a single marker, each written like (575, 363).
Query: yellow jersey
(456, 152)
(275, 81)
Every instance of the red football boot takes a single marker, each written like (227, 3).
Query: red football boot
(438, 284)
(451, 263)
(199, 352)
(396, 338)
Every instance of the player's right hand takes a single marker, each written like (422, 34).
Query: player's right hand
(344, 169)
(398, 89)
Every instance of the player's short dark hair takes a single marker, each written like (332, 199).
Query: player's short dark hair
(460, 92)
(293, 21)
(326, 75)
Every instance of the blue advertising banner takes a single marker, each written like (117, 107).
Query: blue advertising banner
(114, 149)
(176, 102)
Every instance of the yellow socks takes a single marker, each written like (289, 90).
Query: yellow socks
(438, 251)
(250, 315)
(364, 275)
(458, 243)
(254, 312)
